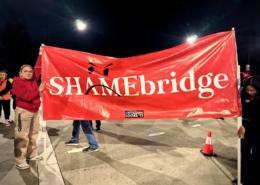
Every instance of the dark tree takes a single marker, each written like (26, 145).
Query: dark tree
(16, 47)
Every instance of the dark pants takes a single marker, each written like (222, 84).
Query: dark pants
(6, 106)
(250, 158)
(98, 124)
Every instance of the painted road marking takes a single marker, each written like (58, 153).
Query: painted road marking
(197, 125)
(75, 150)
(157, 134)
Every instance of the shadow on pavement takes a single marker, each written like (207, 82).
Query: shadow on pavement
(67, 182)
(230, 164)
(30, 176)
(7, 161)
(7, 167)
(186, 121)
(118, 123)
(53, 131)
(137, 174)
(132, 140)
(7, 132)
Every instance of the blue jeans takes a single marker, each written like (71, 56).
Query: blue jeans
(87, 131)
(250, 158)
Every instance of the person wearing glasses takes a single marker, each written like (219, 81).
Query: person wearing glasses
(27, 98)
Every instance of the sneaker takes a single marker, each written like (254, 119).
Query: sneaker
(71, 143)
(36, 158)
(98, 130)
(7, 123)
(22, 166)
(89, 150)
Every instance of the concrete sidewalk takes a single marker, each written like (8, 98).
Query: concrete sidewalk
(149, 152)
(40, 173)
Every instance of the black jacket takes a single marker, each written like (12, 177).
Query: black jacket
(7, 88)
(250, 113)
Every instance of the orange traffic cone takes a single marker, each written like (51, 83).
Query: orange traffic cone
(208, 147)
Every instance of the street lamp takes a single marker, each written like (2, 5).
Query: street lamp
(192, 39)
(80, 25)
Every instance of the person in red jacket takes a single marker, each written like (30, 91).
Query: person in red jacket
(27, 97)
(5, 96)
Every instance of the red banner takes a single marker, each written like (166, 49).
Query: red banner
(191, 80)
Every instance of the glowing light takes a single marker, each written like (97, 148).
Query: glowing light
(80, 25)
(192, 39)
(245, 75)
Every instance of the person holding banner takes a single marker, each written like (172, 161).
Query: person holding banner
(5, 95)
(250, 132)
(86, 127)
(27, 97)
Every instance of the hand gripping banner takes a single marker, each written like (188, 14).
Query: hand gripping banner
(191, 80)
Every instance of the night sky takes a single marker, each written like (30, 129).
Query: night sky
(129, 28)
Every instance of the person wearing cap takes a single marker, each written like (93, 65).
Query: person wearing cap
(5, 96)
